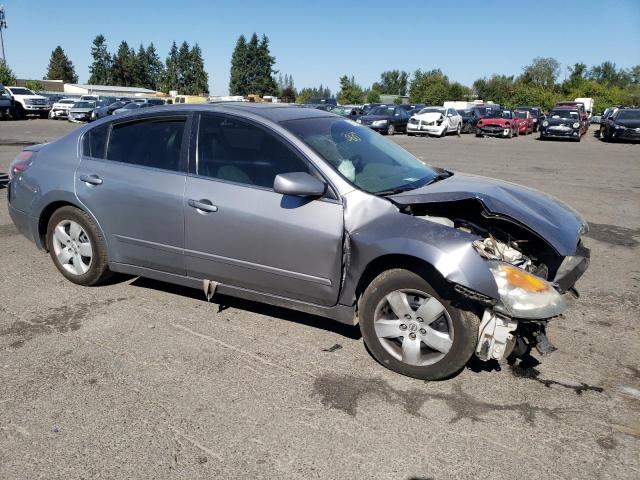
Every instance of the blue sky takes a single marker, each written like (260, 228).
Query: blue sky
(319, 41)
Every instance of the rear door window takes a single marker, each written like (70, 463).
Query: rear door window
(152, 142)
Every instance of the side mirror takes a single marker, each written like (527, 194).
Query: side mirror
(299, 184)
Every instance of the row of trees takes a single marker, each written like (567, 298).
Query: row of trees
(537, 85)
(183, 69)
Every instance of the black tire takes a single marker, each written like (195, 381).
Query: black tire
(409, 134)
(444, 132)
(20, 112)
(391, 129)
(44, 115)
(465, 327)
(98, 270)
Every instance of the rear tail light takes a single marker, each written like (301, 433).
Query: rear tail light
(20, 163)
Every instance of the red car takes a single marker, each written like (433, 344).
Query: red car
(525, 122)
(498, 123)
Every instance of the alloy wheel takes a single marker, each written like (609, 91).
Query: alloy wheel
(413, 327)
(72, 247)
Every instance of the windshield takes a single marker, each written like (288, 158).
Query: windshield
(381, 111)
(342, 111)
(362, 156)
(66, 100)
(432, 110)
(499, 114)
(628, 115)
(83, 105)
(570, 114)
(21, 91)
(131, 106)
(464, 113)
(521, 114)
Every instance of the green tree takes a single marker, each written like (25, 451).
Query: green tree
(124, 66)
(373, 96)
(497, 88)
(142, 71)
(542, 72)
(100, 68)
(393, 82)
(350, 92)
(305, 95)
(577, 75)
(185, 72)
(607, 73)
(6, 75)
(430, 87)
(265, 83)
(634, 75)
(171, 74)
(200, 78)
(60, 67)
(238, 73)
(457, 91)
(35, 85)
(156, 69)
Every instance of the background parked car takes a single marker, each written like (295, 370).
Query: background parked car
(6, 103)
(623, 124)
(348, 111)
(435, 121)
(60, 109)
(130, 107)
(386, 120)
(103, 110)
(26, 102)
(563, 122)
(498, 123)
(536, 113)
(468, 125)
(525, 122)
(603, 120)
(81, 111)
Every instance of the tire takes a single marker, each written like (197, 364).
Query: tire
(454, 331)
(391, 130)
(444, 132)
(20, 112)
(510, 135)
(459, 130)
(410, 134)
(81, 271)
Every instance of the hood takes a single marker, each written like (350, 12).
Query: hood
(629, 123)
(429, 116)
(557, 223)
(496, 121)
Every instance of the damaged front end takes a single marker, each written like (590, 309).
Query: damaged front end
(531, 275)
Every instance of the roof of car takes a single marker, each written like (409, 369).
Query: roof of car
(271, 111)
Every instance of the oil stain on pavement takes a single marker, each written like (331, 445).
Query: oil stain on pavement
(61, 319)
(344, 392)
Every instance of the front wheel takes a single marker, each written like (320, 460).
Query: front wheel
(76, 247)
(391, 129)
(410, 329)
(459, 130)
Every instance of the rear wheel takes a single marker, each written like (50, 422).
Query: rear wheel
(391, 129)
(76, 246)
(411, 329)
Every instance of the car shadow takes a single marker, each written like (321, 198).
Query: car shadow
(223, 302)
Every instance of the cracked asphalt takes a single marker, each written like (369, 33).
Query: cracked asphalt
(139, 379)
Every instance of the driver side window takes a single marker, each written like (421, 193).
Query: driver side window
(237, 151)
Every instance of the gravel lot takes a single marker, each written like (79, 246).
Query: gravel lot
(140, 379)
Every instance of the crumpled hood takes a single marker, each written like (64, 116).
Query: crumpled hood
(551, 219)
(496, 121)
(429, 116)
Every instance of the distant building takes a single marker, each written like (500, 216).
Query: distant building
(384, 98)
(107, 90)
(49, 85)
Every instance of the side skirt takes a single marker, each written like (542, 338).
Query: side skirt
(341, 313)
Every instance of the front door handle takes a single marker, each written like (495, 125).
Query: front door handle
(91, 179)
(202, 205)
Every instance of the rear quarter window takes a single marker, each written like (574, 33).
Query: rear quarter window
(94, 141)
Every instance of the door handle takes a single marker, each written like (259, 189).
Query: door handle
(203, 205)
(91, 179)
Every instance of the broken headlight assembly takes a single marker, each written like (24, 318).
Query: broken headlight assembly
(523, 294)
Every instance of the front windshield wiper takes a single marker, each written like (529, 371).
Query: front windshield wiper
(436, 178)
(393, 191)
(439, 176)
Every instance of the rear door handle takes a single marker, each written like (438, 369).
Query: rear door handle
(203, 205)
(91, 179)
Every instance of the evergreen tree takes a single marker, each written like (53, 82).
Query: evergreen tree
(185, 71)
(350, 92)
(265, 84)
(238, 73)
(124, 66)
(252, 65)
(171, 74)
(156, 69)
(393, 82)
(101, 67)
(60, 67)
(142, 73)
(200, 83)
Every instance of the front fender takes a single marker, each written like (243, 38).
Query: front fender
(448, 250)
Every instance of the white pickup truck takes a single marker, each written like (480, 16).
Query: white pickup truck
(28, 103)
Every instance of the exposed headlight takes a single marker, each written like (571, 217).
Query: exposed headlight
(380, 123)
(576, 125)
(524, 295)
(545, 124)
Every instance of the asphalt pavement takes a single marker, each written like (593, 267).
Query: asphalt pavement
(140, 379)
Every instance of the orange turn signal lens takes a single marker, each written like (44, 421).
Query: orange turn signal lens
(521, 279)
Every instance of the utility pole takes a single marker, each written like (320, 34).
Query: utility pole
(3, 25)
